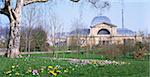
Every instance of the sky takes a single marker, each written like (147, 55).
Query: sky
(136, 13)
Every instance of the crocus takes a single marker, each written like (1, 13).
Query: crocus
(35, 72)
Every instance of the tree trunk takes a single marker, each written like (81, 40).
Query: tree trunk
(14, 33)
(14, 39)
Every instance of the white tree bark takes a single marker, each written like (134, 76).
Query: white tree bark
(27, 2)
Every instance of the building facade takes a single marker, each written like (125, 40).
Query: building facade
(102, 32)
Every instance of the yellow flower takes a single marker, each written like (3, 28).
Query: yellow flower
(94, 62)
(58, 71)
(129, 63)
(53, 73)
(17, 65)
(65, 71)
(8, 72)
(12, 66)
(55, 68)
(42, 69)
(50, 67)
(29, 70)
(17, 73)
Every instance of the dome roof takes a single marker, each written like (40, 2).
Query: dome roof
(100, 19)
(80, 31)
(125, 31)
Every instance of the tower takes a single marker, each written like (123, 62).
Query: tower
(122, 12)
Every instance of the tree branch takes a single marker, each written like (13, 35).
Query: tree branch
(5, 10)
(96, 4)
(27, 2)
(1, 11)
(75, 0)
(93, 3)
(19, 5)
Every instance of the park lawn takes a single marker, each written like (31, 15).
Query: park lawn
(68, 55)
(136, 68)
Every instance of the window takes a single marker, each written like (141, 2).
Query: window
(103, 32)
(104, 42)
(128, 41)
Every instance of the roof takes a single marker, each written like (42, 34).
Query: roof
(80, 32)
(109, 24)
(60, 35)
(125, 31)
(100, 19)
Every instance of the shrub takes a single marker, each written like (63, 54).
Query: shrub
(139, 54)
(112, 51)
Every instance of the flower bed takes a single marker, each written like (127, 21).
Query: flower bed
(47, 70)
(98, 62)
(46, 67)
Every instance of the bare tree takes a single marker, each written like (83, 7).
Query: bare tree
(14, 15)
(30, 18)
(77, 27)
(100, 5)
(53, 27)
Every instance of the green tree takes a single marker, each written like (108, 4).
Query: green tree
(39, 39)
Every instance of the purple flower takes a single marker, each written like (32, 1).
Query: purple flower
(35, 72)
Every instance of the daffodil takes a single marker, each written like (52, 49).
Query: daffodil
(17, 65)
(12, 66)
(42, 69)
(53, 73)
(29, 70)
(50, 67)
(66, 70)
(17, 73)
(58, 66)
(94, 62)
(58, 71)
(55, 68)
(8, 72)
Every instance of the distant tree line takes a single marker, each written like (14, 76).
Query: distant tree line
(38, 39)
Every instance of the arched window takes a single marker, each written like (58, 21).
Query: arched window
(103, 32)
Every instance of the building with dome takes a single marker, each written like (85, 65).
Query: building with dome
(102, 32)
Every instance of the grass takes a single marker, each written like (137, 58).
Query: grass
(69, 55)
(137, 68)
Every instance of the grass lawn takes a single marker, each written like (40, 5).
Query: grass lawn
(22, 68)
(69, 55)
